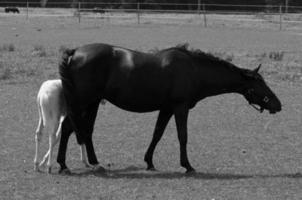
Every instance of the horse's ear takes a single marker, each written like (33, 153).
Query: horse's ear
(257, 69)
(251, 74)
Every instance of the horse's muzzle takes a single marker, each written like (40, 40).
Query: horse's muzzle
(276, 108)
(274, 111)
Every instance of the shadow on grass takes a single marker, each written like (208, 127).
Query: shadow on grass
(133, 172)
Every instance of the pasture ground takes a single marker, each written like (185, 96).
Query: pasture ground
(238, 153)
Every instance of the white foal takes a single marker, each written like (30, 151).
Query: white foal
(51, 106)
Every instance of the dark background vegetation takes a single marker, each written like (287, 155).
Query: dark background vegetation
(240, 5)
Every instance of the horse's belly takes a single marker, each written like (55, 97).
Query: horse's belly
(135, 101)
(136, 108)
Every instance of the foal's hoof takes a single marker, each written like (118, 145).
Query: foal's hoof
(42, 163)
(36, 167)
(65, 171)
(49, 170)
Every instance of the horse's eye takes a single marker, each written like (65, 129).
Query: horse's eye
(250, 91)
(266, 99)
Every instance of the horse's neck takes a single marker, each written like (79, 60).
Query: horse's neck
(226, 81)
(234, 83)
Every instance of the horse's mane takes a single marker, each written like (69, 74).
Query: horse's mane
(201, 56)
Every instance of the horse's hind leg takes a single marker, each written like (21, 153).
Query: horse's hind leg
(162, 121)
(66, 131)
(38, 138)
(89, 119)
(181, 117)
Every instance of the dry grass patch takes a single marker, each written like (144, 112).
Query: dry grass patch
(7, 47)
(39, 50)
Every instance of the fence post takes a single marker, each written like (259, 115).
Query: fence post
(79, 12)
(280, 13)
(198, 7)
(286, 6)
(27, 5)
(204, 15)
(138, 12)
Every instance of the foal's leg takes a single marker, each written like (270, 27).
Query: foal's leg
(38, 137)
(52, 140)
(162, 121)
(181, 118)
(55, 141)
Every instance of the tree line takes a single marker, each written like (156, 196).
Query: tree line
(163, 4)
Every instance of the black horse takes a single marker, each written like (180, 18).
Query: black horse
(172, 81)
(11, 9)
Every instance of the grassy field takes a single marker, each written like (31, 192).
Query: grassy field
(238, 153)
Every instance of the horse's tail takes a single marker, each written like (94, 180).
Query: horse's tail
(68, 92)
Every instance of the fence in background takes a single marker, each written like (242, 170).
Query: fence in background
(142, 10)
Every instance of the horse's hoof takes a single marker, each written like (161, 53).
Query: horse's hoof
(151, 169)
(190, 171)
(99, 169)
(65, 171)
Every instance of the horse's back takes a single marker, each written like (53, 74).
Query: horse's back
(90, 53)
(129, 79)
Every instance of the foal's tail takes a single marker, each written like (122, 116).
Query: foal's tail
(68, 92)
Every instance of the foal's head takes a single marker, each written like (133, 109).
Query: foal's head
(258, 93)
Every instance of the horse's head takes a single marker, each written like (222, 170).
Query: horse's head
(258, 93)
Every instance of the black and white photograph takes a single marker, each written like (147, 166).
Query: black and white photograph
(150, 100)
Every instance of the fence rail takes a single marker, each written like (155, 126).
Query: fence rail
(141, 10)
(190, 7)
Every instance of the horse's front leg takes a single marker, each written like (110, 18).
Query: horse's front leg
(161, 123)
(181, 118)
